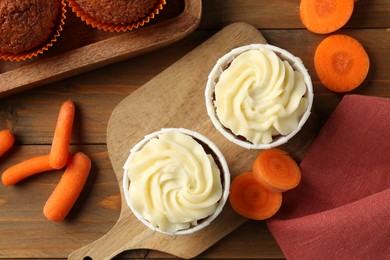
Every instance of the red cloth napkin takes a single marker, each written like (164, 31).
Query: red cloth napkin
(341, 209)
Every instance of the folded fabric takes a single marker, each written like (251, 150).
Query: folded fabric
(341, 209)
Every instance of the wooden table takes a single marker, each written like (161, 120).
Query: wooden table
(25, 233)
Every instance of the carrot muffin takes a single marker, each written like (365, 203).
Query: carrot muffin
(26, 24)
(176, 181)
(117, 12)
(259, 96)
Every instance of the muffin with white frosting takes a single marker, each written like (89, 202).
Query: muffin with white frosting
(176, 181)
(259, 96)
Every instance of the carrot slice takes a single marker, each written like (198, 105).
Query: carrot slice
(62, 134)
(341, 63)
(7, 140)
(27, 168)
(251, 200)
(325, 16)
(68, 189)
(276, 170)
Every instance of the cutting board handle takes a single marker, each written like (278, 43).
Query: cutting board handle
(120, 238)
(106, 247)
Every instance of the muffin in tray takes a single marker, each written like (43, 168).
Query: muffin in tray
(28, 27)
(176, 181)
(119, 15)
(259, 96)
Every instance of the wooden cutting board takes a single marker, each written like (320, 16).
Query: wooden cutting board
(175, 98)
(81, 48)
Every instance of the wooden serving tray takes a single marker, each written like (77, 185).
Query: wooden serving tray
(175, 98)
(81, 48)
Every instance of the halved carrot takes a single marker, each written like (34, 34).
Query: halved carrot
(325, 16)
(68, 189)
(251, 200)
(62, 134)
(341, 63)
(27, 168)
(7, 140)
(276, 170)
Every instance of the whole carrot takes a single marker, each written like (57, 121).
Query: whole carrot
(68, 189)
(27, 168)
(62, 134)
(7, 140)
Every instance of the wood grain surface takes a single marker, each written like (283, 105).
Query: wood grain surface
(25, 233)
(177, 95)
(101, 51)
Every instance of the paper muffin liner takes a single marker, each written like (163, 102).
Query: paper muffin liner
(224, 173)
(224, 62)
(96, 23)
(26, 55)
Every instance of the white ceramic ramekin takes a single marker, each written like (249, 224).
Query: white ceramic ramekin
(224, 62)
(225, 177)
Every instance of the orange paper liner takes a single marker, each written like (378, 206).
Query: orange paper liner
(95, 23)
(36, 51)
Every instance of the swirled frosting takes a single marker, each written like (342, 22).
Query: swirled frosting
(260, 96)
(173, 182)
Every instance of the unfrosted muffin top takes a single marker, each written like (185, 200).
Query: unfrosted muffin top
(26, 24)
(117, 12)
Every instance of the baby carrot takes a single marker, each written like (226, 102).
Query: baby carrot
(251, 200)
(7, 140)
(68, 189)
(62, 134)
(27, 168)
(276, 170)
